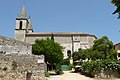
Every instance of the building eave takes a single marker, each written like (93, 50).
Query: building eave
(116, 44)
(59, 33)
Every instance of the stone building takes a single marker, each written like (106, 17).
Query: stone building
(117, 47)
(72, 41)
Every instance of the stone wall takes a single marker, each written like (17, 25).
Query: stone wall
(107, 74)
(21, 67)
(8, 46)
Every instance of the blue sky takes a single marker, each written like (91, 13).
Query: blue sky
(90, 16)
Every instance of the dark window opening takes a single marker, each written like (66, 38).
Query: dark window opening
(118, 54)
(69, 53)
(20, 24)
(28, 75)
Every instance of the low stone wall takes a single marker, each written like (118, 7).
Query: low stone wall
(8, 46)
(21, 67)
(107, 73)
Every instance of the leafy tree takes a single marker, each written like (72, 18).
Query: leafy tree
(105, 47)
(102, 49)
(80, 55)
(50, 49)
(117, 4)
(76, 56)
(66, 61)
(101, 56)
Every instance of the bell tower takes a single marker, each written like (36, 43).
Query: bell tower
(22, 23)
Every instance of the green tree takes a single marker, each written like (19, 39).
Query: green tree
(80, 55)
(76, 56)
(117, 4)
(102, 49)
(105, 47)
(50, 49)
(52, 36)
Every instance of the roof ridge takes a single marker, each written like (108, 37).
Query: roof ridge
(23, 12)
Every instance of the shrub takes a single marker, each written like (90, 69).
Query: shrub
(47, 74)
(66, 61)
(89, 68)
(94, 67)
(58, 69)
(14, 65)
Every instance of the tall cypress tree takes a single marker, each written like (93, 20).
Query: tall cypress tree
(52, 37)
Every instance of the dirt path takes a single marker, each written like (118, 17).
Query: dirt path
(69, 76)
(73, 76)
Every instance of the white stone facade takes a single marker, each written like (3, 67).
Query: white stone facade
(117, 47)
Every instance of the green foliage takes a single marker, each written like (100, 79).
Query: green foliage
(50, 49)
(76, 56)
(93, 67)
(101, 56)
(105, 47)
(47, 74)
(79, 55)
(58, 69)
(14, 65)
(52, 36)
(93, 55)
(102, 49)
(117, 4)
(66, 62)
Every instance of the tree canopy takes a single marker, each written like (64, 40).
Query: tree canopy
(101, 57)
(102, 49)
(117, 4)
(50, 49)
(105, 47)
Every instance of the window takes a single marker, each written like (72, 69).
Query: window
(69, 53)
(20, 24)
(118, 54)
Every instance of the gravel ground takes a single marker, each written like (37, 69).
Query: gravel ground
(69, 76)
(73, 76)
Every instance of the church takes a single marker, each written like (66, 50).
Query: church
(71, 41)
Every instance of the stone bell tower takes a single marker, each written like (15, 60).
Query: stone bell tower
(23, 26)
